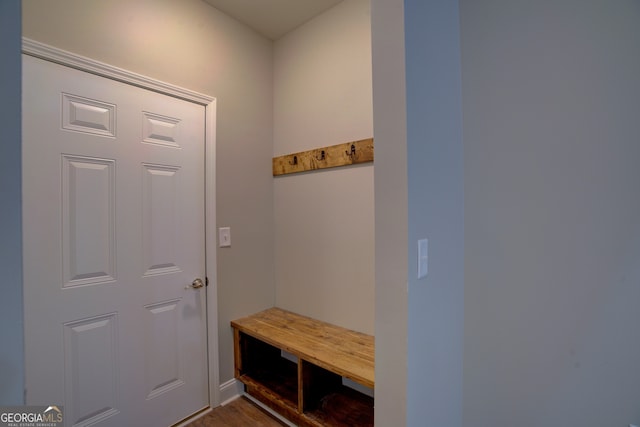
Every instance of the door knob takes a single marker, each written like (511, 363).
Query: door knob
(197, 283)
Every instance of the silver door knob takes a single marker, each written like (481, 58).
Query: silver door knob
(197, 283)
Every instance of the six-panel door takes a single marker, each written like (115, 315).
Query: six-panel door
(113, 187)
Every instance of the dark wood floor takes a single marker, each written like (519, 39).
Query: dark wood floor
(238, 413)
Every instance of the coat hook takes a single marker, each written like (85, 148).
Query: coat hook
(295, 161)
(353, 151)
(322, 156)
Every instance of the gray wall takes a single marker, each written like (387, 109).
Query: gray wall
(551, 101)
(418, 194)
(390, 189)
(551, 229)
(11, 323)
(191, 44)
(436, 212)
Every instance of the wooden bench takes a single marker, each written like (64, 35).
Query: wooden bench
(296, 365)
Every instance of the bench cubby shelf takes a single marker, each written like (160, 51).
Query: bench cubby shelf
(296, 365)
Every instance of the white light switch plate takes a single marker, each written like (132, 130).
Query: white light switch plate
(224, 237)
(423, 258)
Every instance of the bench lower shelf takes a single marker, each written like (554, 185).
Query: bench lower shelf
(270, 397)
(343, 407)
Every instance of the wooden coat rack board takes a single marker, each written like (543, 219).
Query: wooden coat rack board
(333, 156)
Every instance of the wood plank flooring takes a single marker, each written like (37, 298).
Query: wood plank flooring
(238, 413)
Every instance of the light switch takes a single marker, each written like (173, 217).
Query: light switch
(224, 237)
(423, 258)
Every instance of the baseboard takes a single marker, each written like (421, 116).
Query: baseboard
(233, 389)
(269, 410)
(230, 390)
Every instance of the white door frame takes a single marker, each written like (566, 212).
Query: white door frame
(62, 57)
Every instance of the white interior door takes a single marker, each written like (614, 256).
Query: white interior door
(113, 188)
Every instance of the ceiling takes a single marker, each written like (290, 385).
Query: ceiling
(273, 18)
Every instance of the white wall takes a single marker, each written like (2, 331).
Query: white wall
(551, 97)
(324, 244)
(190, 44)
(11, 324)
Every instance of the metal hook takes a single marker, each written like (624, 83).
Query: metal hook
(353, 151)
(322, 156)
(295, 161)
